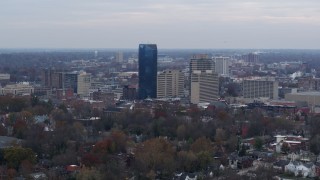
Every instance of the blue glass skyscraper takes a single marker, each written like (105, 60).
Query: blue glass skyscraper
(148, 56)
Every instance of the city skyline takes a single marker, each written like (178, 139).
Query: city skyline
(262, 24)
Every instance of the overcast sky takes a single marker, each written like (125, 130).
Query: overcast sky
(168, 23)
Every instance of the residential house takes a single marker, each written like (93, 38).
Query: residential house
(240, 162)
(280, 165)
(300, 169)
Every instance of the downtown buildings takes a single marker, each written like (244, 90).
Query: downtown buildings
(77, 82)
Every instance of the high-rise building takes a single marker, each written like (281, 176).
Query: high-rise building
(46, 77)
(147, 71)
(129, 92)
(119, 57)
(204, 87)
(70, 80)
(201, 62)
(170, 83)
(261, 87)
(251, 57)
(57, 80)
(222, 65)
(83, 83)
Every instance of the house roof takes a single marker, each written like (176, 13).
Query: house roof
(281, 163)
(6, 141)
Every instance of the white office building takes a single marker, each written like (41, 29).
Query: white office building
(222, 65)
(83, 83)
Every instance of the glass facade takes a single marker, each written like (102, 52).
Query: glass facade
(71, 81)
(148, 71)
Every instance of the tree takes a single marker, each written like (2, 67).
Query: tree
(315, 144)
(34, 100)
(204, 159)
(314, 123)
(242, 151)
(258, 143)
(203, 150)
(90, 159)
(119, 139)
(15, 155)
(89, 174)
(186, 161)
(231, 144)
(155, 155)
(285, 148)
(265, 173)
(220, 136)
(201, 144)
(104, 147)
(181, 132)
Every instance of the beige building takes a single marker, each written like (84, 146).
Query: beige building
(17, 89)
(4, 77)
(119, 57)
(204, 86)
(222, 65)
(170, 83)
(83, 84)
(260, 88)
(312, 97)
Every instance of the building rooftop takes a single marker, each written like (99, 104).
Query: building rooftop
(308, 93)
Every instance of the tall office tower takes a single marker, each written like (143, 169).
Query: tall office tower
(57, 80)
(251, 57)
(129, 92)
(83, 83)
(201, 62)
(119, 57)
(222, 65)
(262, 87)
(46, 77)
(70, 81)
(170, 83)
(147, 71)
(204, 86)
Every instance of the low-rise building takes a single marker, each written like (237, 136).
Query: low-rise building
(17, 89)
(311, 97)
(260, 88)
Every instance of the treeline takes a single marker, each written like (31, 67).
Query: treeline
(130, 143)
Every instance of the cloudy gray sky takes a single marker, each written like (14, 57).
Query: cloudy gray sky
(169, 23)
